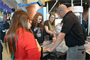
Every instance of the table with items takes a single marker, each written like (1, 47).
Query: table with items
(60, 50)
(87, 46)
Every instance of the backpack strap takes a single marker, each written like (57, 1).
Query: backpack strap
(13, 55)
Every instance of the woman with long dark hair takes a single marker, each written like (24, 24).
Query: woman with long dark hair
(26, 47)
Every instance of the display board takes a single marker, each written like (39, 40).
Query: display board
(89, 21)
(43, 12)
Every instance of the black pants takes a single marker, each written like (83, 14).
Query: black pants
(1, 50)
(0, 55)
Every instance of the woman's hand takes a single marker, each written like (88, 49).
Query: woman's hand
(54, 39)
(38, 45)
(54, 32)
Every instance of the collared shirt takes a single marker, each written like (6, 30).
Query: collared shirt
(73, 30)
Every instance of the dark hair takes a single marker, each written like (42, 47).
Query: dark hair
(19, 20)
(35, 23)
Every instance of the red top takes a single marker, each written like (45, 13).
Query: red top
(26, 48)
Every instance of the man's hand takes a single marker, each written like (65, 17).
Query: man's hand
(57, 42)
(49, 50)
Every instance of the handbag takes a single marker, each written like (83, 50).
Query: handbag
(13, 55)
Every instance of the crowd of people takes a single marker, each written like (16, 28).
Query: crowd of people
(24, 36)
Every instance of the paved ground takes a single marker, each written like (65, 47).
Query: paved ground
(5, 54)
